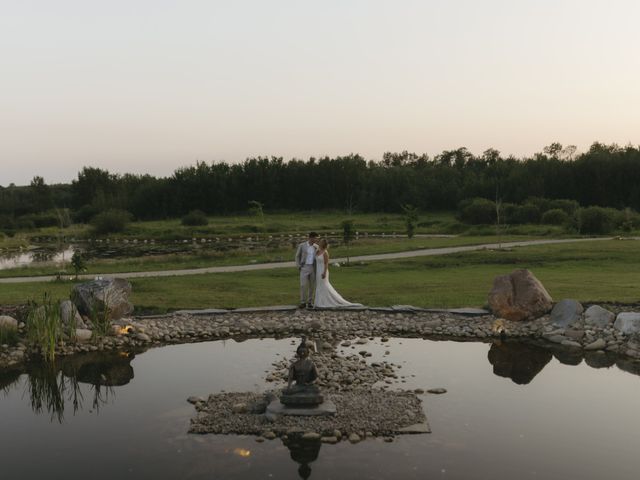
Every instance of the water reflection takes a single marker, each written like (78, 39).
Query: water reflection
(303, 452)
(518, 361)
(51, 387)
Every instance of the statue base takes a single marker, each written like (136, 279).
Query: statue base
(276, 409)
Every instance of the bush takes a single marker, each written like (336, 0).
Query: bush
(85, 213)
(40, 220)
(477, 211)
(7, 223)
(195, 218)
(110, 221)
(597, 220)
(627, 220)
(520, 214)
(24, 224)
(555, 216)
(567, 206)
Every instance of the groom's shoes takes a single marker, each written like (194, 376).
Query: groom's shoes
(310, 305)
(302, 305)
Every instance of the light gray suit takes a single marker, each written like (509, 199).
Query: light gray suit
(307, 274)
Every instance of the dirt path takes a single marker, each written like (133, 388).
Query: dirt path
(269, 266)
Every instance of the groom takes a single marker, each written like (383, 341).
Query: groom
(306, 262)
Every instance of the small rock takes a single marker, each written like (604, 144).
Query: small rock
(269, 435)
(354, 438)
(437, 391)
(628, 322)
(330, 440)
(418, 391)
(566, 312)
(311, 436)
(193, 400)
(83, 335)
(597, 316)
(8, 322)
(143, 337)
(239, 408)
(598, 344)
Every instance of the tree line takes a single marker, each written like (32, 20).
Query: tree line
(605, 175)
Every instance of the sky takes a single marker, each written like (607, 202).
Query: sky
(148, 86)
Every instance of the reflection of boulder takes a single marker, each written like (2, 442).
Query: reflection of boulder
(8, 378)
(303, 452)
(568, 356)
(519, 296)
(628, 365)
(599, 359)
(109, 370)
(518, 361)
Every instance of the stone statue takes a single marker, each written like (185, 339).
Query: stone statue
(304, 393)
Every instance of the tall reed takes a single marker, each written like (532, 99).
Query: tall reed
(44, 327)
(8, 335)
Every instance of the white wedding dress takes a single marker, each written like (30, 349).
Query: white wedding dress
(326, 295)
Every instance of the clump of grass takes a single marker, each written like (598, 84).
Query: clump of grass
(8, 335)
(101, 318)
(44, 327)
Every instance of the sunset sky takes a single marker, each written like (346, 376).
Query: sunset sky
(147, 86)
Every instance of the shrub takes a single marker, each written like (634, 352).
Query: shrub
(477, 211)
(627, 220)
(555, 216)
(7, 222)
(8, 335)
(567, 206)
(195, 218)
(85, 213)
(24, 224)
(40, 220)
(597, 220)
(519, 214)
(110, 221)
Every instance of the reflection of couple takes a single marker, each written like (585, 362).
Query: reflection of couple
(312, 259)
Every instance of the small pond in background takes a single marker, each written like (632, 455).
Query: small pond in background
(511, 411)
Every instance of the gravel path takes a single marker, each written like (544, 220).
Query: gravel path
(269, 266)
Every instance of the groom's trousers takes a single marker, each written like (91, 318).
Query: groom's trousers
(307, 283)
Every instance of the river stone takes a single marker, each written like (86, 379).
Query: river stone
(83, 335)
(519, 296)
(628, 322)
(597, 316)
(69, 313)
(8, 322)
(92, 295)
(566, 312)
(598, 344)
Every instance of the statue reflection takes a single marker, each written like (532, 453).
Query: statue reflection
(518, 361)
(303, 452)
(52, 386)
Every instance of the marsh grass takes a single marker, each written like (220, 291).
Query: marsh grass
(100, 316)
(44, 326)
(8, 336)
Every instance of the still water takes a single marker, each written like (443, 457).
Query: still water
(511, 411)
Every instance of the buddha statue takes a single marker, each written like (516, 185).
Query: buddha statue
(304, 393)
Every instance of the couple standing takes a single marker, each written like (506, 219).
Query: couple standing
(312, 259)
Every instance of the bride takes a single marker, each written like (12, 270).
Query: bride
(326, 295)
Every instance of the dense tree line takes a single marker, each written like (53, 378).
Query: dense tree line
(605, 175)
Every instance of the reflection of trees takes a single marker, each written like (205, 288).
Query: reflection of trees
(518, 361)
(52, 385)
(7, 378)
(303, 452)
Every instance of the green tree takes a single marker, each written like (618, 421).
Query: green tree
(348, 233)
(410, 218)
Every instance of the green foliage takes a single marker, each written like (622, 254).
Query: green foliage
(101, 318)
(410, 218)
(195, 218)
(85, 213)
(568, 206)
(555, 216)
(44, 326)
(348, 234)
(8, 335)
(597, 220)
(110, 221)
(477, 211)
(77, 263)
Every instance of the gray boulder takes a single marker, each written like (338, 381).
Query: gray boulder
(8, 322)
(69, 314)
(566, 312)
(597, 316)
(94, 295)
(628, 322)
(519, 296)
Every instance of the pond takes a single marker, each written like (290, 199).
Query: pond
(511, 411)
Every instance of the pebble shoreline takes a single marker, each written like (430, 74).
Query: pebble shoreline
(328, 325)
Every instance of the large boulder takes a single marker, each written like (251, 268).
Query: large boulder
(566, 312)
(8, 322)
(628, 322)
(69, 314)
(519, 296)
(597, 316)
(114, 292)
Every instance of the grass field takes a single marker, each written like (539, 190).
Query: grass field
(605, 271)
(209, 258)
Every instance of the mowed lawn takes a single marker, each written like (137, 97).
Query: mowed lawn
(604, 271)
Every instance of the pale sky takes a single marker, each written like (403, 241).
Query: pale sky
(147, 86)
